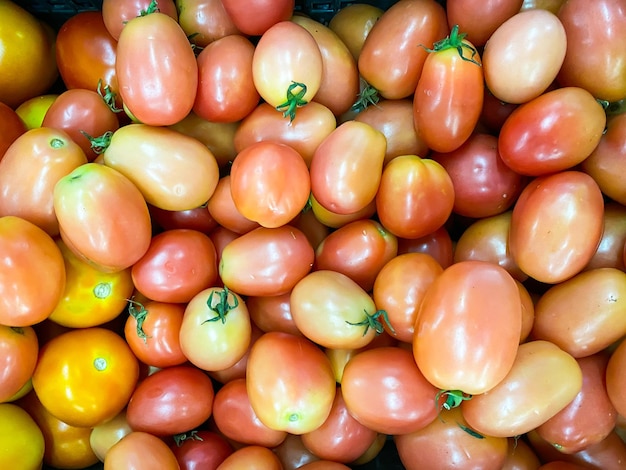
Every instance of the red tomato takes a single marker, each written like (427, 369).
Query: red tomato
(140, 451)
(152, 332)
(171, 401)
(11, 126)
(269, 183)
(553, 132)
(615, 378)
(394, 51)
(156, 69)
(293, 454)
(257, 16)
(290, 384)
(117, 13)
(385, 391)
(204, 21)
(251, 458)
(437, 244)
(415, 196)
(25, 300)
(20, 347)
(448, 99)
(226, 91)
(556, 226)
(272, 313)
(103, 217)
(222, 208)
(197, 219)
(266, 261)
(287, 74)
(201, 450)
(470, 345)
(178, 264)
(333, 220)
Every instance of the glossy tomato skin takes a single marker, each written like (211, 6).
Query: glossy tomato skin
(334, 220)
(556, 225)
(140, 451)
(156, 70)
(23, 246)
(272, 313)
(19, 347)
(389, 60)
(12, 127)
(273, 260)
(171, 401)
(437, 244)
(204, 450)
(253, 458)
(290, 383)
(610, 251)
(197, 219)
(371, 390)
(117, 13)
(615, 378)
(85, 377)
(204, 21)
(257, 16)
(117, 229)
(223, 210)
(536, 139)
(22, 439)
(105, 435)
(353, 23)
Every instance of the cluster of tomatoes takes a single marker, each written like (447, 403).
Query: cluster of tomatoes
(237, 237)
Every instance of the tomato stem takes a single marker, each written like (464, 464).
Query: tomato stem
(293, 101)
(185, 436)
(373, 321)
(139, 313)
(367, 96)
(455, 41)
(470, 431)
(99, 144)
(222, 307)
(18, 329)
(452, 399)
(152, 8)
(108, 96)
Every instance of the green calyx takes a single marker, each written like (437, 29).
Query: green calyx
(455, 41)
(452, 398)
(295, 99)
(139, 313)
(373, 321)
(99, 144)
(368, 96)
(222, 307)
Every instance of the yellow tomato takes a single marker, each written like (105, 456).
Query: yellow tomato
(91, 297)
(21, 440)
(27, 55)
(32, 111)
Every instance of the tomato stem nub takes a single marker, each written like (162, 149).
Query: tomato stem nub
(455, 41)
(367, 96)
(99, 144)
(222, 307)
(373, 321)
(139, 313)
(293, 101)
(185, 436)
(453, 398)
(152, 8)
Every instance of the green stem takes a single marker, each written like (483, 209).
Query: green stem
(455, 41)
(368, 96)
(222, 307)
(373, 321)
(139, 313)
(99, 144)
(293, 101)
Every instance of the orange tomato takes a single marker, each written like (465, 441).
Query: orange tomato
(21, 440)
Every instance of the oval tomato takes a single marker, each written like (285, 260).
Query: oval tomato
(353, 23)
(117, 13)
(252, 458)
(21, 438)
(222, 208)
(201, 450)
(257, 16)
(615, 378)
(140, 451)
(20, 347)
(204, 21)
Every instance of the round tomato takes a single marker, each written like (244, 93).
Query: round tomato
(20, 348)
(272, 313)
(140, 451)
(21, 439)
(222, 208)
(202, 449)
(85, 377)
(204, 21)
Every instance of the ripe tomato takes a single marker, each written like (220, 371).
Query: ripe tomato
(352, 24)
(520, 456)
(287, 74)
(140, 451)
(238, 369)
(117, 13)
(20, 348)
(293, 454)
(252, 458)
(333, 220)
(290, 384)
(11, 125)
(615, 378)
(269, 183)
(257, 16)
(85, 377)
(437, 244)
(204, 21)
(30, 169)
(216, 330)
(171, 401)
(197, 219)
(91, 297)
(25, 300)
(272, 313)
(222, 208)
(201, 450)
(103, 217)
(156, 69)
(21, 439)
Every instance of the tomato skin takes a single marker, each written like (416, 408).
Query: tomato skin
(252, 458)
(257, 16)
(333, 220)
(140, 451)
(19, 347)
(117, 13)
(556, 225)
(536, 138)
(30, 169)
(171, 401)
(272, 313)
(105, 435)
(389, 60)
(520, 456)
(197, 219)
(615, 378)
(116, 230)
(222, 208)
(204, 21)
(541, 382)
(290, 383)
(206, 450)
(11, 125)
(273, 260)
(85, 377)
(415, 196)
(156, 70)
(437, 244)
(609, 253)
(21, 438)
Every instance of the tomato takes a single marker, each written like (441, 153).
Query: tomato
(290, 384)
(324, 464)
(86, 53)
(173, 171)
(27, 60)
(594, 60)
(352, 24)
(140, 451)
(415, 196)
(449, 443)
(21, 440)
(226, 91)
(287, 74)
(197, 219)
(269, 183)
(315, 122)
(347, 166)
(238, 369)
(204, 21)
(293, 454)
(556, 225)
(156, 70)
(520, 456)
(201, 449)
(273, 260)
(550, 5)
(359, 250)
(91, 297)
(333, 220)
(518, 67)
(65, 446)
(19, 348)
(235, 418)
(25, 300)
(105, 435)
(171, 401)
(11, 125)
(117, 13)
(152, 332)
(85, 377)
(272, 313)
(222, 208)
(216, 331)
(615, 378)
(394, 51)
(399, 289)
(341, 438)
(178, 264)
(311, 226)
(437, 244)
(609, 253)
(448, 99)
(252, 458)
(495, 112)
(340, 84)
(541, 382)
(589, 417)
(536, 139)
(103, 217)
(483, 184)
(30, 169)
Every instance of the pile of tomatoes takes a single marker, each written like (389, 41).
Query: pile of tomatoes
(233, 236)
